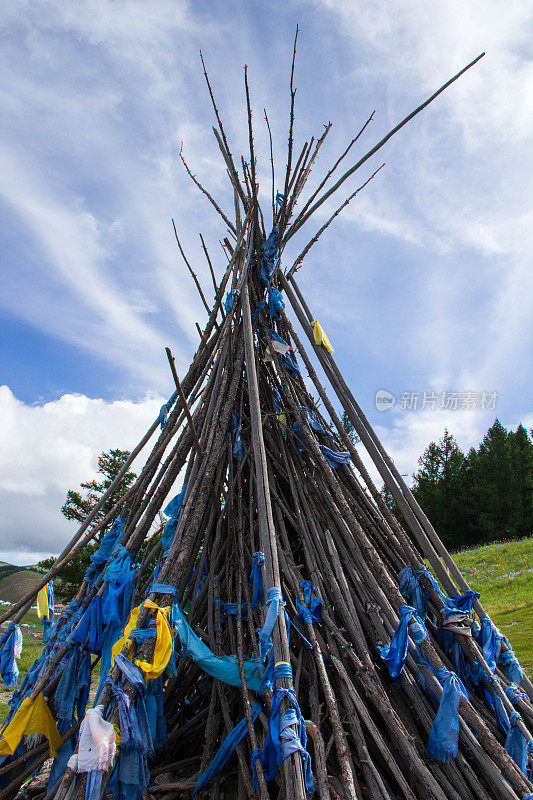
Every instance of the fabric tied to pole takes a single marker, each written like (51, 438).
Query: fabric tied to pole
(409, 585)
(259, 310)
(11, 644)
(285, 734)
(223, 668)
(231, 609)
(230, 299)
(163, 641)
(320, 336)
(284, 352)
(166, 408)
(269, 252)
(131, 776)
(117, 575)
(280, 199)
(97, 744)
(238, 449)
(444, 735)
(509, 663)
(395, 653)
(515, 693)
(276, 400)
(490, 640)
(32, 716)
(107, 545)
(310, 417)
(45, 609)
(276, 304)
(516, 744)
(258, 592)
(298, 438)
(335, 460)
(311, 612)
(274, 600)
(225, 751)
(72, 693)
(172, 510)
(91, 625)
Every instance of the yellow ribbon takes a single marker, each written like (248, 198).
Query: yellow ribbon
(320, 336)
(32, 716)
(282, 419)
(163, 641)
(42, 603)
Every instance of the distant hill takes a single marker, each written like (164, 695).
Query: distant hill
(16, 582)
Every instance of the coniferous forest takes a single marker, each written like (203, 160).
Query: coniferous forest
(483, 496)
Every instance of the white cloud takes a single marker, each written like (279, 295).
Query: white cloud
(46, 450)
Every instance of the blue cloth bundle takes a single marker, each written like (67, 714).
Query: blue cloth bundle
(172, 510)
(256, 575)
(238, 449)
(282, 740)
(223, 668)
(108, 542)
(259, 310)
(395, 653)
(230, 299)
(298, 438)
(72, 691)
(274, 600)
(311, 611)
(444, 736)
(515, 693)
(516, 744)
(509, 663)
(117, 575)
(225, 751)
(409, 585)
(276, 304)
(231, 609)
(131, 776)
(490, 640)
(276, 400)
(166, 408)
(280, 199)
(269, 252)
(310, 417)
(8, 663)
(91, 625)
(335, 460)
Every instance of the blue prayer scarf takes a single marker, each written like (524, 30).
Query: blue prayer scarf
(311, 612)
(281, 739)
(8, 664)
(258, 592)
(395, 654)
(275, 303)
(268, 256)
(225, 751)
(444, 736)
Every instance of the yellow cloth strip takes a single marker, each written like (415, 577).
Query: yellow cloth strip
(163, 641)
(283, 420)
(42, 603)
(32, 716)
(320, 336)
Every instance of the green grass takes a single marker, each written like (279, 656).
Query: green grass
(503, 574)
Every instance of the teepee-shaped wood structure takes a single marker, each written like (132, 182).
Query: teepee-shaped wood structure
(283, 635)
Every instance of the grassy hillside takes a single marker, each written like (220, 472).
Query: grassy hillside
(14, 586)
(503, 574)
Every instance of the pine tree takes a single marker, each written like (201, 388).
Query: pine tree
(78, 507)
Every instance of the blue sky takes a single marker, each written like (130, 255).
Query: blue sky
(423, 285)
